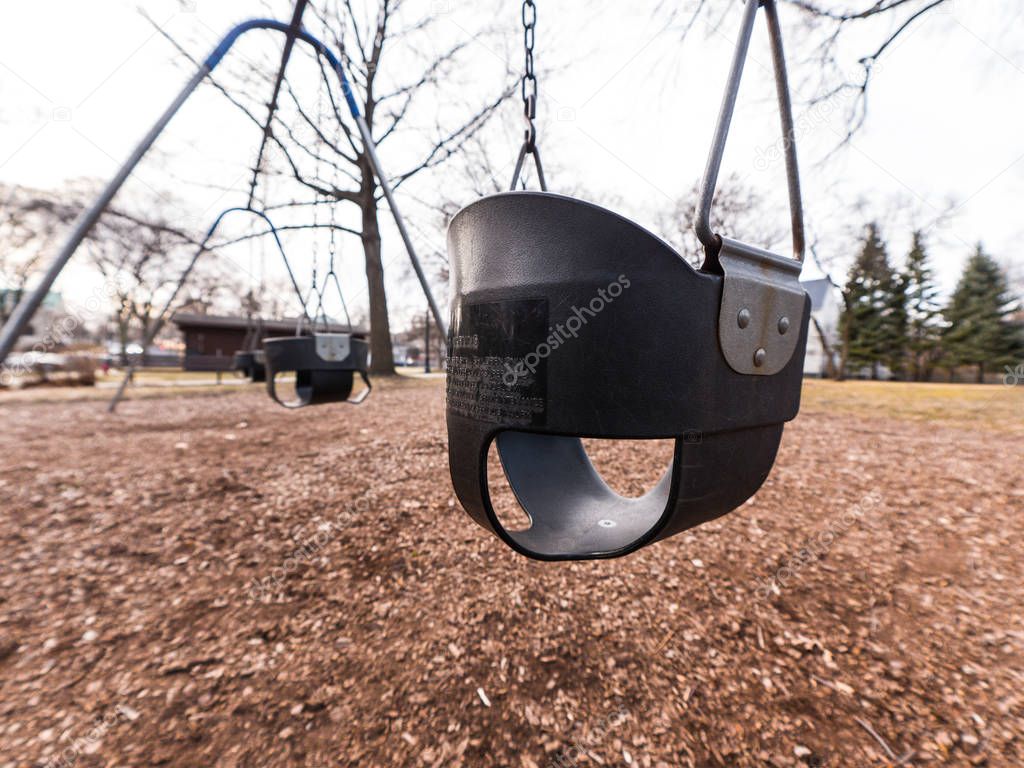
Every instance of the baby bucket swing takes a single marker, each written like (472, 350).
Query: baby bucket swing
(323, 360)
(248, 362)
(570, 321)
(354, 361)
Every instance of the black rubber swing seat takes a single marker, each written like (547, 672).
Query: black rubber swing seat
(258, 373)
(250, 365)
(324, 365)
(242, 362)
(570, 321)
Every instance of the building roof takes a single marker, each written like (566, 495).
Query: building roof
(287, 325)
(818, 290)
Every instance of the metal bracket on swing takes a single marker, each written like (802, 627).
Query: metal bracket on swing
(333, 346)
(762, 307)
(529, 146)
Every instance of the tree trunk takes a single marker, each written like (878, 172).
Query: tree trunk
(122, 333)
(7, 306)
(382, 359)
(874, 370)
(144, 359)
(844, 353)
(981, 373)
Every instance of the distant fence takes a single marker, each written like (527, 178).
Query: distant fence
(208, 362)
(959, 376)
(152, 360)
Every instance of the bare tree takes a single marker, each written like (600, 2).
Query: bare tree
(829, 74)
(138, 250)
(30, 221)
(828, 25)
(139, 263)
(318, 147)
(215, 290)
(738, 211)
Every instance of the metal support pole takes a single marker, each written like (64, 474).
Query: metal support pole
(382, 179)
(706, 193)
(702, 218)
(796, 208)
(22, 315)
(28, 305)
(289, 43)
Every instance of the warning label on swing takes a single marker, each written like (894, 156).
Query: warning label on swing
(494, 372)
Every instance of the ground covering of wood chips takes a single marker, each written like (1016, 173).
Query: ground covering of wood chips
(202, 581)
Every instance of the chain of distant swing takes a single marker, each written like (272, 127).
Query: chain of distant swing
(337, 140)
(331, 203)
(314, 290)
(331, 250)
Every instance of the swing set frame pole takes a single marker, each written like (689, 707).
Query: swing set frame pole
(26, 308)
(293, 30)
(382, 179)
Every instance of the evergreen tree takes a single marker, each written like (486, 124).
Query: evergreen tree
(896, 324)
(873, 316)
(980, 330)
(922, 311)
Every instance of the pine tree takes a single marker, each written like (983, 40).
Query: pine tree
(896, 324)
(873, 317)
(922, 311)
(980, 330)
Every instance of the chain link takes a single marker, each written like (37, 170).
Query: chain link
(317, 290)
(316, 180)
(528, 86)
(332, 247)
(529, 81)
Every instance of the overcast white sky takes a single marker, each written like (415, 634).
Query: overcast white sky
(626, 115)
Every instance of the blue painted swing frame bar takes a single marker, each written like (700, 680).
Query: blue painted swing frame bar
(27, 307)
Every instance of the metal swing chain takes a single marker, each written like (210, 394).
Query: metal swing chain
(314, 290)
(320, 313)
(529, 80)
(528, 89)
(332, 205)
(331, 250)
